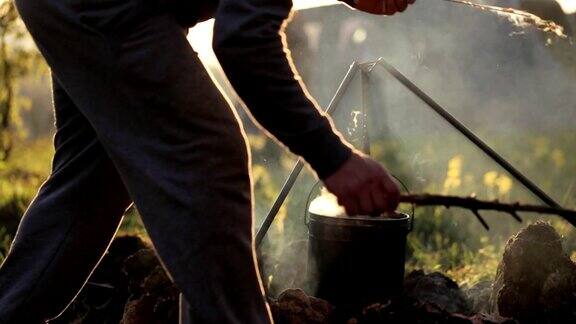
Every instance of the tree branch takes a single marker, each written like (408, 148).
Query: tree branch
(526, 18)
(476, 205)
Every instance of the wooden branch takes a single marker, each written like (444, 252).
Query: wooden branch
(544, 25)
(476, 205)
(493, 8)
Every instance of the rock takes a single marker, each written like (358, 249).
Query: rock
(410, 310)
(129, 286)
(137, 267)
(150, 309)
(536, 280)
(158, 283)
(155, 298)
(293, 306)
(407, 310)
(158, 302)
(436, 289)
(478, 296)
(103, 297)
(491, 319)
(139, 311)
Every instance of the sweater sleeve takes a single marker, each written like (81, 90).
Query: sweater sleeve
(249, 45)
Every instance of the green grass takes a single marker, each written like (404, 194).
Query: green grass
(451, 241)
(20, 178)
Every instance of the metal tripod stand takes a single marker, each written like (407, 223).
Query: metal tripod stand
(366, 68)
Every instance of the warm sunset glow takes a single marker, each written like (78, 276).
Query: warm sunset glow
(568, 6)
(201, 35)
(304, 4)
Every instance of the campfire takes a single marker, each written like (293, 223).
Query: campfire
(536, 282)
(355, 268)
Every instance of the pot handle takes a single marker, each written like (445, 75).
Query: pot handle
(309, 201)
(411, 217)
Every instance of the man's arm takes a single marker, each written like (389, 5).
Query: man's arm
(249, 46)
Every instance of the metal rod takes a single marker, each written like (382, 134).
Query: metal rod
(469, 134)
(289, 183)
(279, 201)
(366, 109)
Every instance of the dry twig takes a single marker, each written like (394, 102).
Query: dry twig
(519, 18)
(476, 205)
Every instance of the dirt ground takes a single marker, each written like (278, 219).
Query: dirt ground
(535, 283)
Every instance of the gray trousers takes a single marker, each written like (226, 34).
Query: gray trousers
(138, 120)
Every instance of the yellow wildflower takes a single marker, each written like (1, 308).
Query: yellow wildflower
(504, 184)
(559, 158)
(490, 178)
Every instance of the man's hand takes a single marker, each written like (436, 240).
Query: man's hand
(363, 187)
(383, 7)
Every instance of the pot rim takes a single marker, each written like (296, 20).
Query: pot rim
(403, 220)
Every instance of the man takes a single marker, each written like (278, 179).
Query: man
(139, 120)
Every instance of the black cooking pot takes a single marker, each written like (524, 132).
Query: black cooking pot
(356, 261)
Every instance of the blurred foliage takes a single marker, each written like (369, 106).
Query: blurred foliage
(20, 177)
(447, 240)
(18, 59)
(451, 241)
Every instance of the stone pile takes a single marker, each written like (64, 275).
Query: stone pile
(535, 283)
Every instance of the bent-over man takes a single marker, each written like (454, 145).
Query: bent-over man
(139, 120)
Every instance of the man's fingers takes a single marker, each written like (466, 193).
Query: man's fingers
(372, 6)
(382, 7)
(401, 5)
(365, 202)
(389, 7)
(379, 199)
(392, 195)
(363, 187)
(350, 205)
